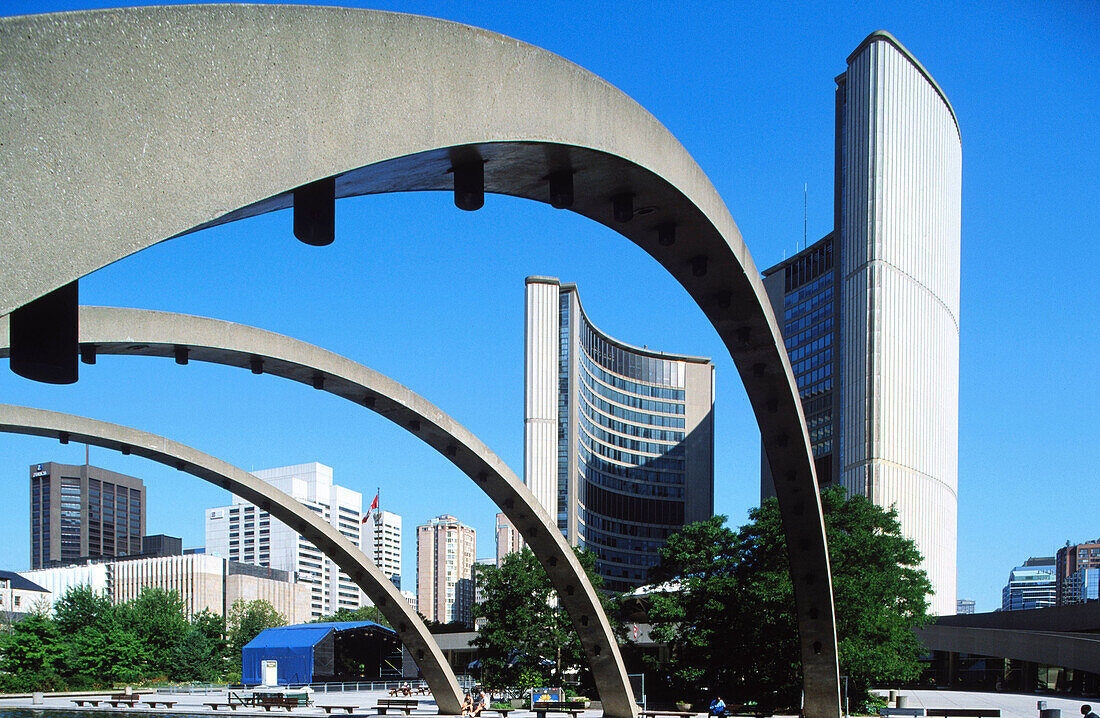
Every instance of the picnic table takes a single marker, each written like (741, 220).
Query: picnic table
(541, 708)
(406, 705)
(215, 706)
(330, 708)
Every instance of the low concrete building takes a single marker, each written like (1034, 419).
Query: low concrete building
(19, 596)
(203, 582)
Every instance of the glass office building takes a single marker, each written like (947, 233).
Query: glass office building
(619, 441)
(81, 512)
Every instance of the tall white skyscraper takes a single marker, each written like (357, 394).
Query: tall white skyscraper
(382, 531)
(870, 314)
(444, 557)
(243, 532)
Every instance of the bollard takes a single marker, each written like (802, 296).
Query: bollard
(37, 698)
(901, 701)
(1050, 713)
(892, 699)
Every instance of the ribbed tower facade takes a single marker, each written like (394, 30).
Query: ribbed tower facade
(618, 441)
(881, 347)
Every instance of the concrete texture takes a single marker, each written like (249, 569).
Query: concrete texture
(147, 333)
(123, 128)
(411, 630)
(1080, 651)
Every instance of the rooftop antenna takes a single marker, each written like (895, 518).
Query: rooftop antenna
(805, 215)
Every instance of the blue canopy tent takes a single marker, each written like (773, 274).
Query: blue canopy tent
(318, 652)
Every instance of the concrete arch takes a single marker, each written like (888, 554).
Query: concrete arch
(412, 631)
(137, 332)
(379, 102)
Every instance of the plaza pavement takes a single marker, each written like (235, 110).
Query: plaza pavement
(1011, 705)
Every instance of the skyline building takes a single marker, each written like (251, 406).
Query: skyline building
(444, 559)
(965, 606)
(1078, 571)
(508, 538)
(1032, 585)
(243, 532)
(83, 511)
(618, 441)
(870, 313)
(382, 529)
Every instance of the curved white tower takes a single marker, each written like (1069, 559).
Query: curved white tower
(900, 167)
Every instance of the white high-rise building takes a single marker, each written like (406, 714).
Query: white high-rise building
(382, 529)
(244, 532)
(870, 314)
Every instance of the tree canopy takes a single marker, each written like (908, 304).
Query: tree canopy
(732, 624)
(88, 642)
(527, 638)
(245, 621)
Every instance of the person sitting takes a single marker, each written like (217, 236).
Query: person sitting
(717, 707)
(480, 703)
(467, 705)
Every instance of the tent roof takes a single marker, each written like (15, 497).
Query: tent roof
(305, 635)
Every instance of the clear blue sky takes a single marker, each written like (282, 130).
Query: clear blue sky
(434, 297)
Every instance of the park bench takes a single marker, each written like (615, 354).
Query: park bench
(657, 714)
(90, 701)
(503, 712)
(330, 708)
(215, 706)
(541, 708)
(406, 705)
(128, 702)
(154, 702)
(900, 712)
(422, 691)
(963, 712)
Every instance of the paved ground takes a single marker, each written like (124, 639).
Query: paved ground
(1011, 705)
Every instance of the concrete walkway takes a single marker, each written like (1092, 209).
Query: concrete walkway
(1011, 705)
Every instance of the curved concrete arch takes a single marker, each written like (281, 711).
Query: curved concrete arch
(138, 332)
(380, 102)
(412, 631)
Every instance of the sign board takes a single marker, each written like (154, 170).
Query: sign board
(270, 672)
(540, 695)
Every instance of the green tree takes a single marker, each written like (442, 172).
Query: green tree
(732, 625)
(82, 607)
(200, 654)
(33, 646)
(159, 621)
(245, 621)
(527, 638)
(363, 613)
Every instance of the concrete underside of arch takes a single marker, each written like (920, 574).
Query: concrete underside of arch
(172, 119)
(135, 332)
(411, 630)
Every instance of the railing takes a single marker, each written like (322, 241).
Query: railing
(466, 682)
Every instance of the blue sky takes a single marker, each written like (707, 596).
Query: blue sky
(434, 297)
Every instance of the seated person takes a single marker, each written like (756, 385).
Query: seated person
(480, 703)
(717, 707)
(467, 705)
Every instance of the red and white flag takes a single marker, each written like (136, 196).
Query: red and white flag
(373, 506)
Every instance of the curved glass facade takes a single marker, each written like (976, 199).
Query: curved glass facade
(633, 451)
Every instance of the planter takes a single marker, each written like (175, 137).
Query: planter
(683, 706)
